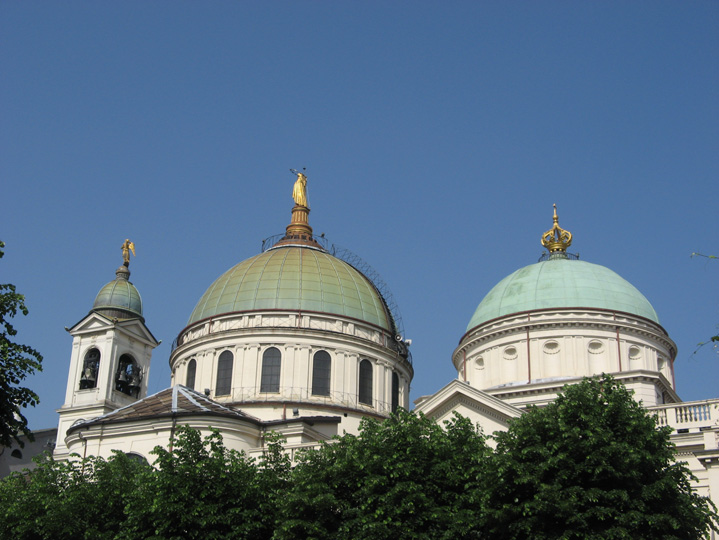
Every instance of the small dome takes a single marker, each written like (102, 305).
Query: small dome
(119, 298)
(562, 283)
(292, 277)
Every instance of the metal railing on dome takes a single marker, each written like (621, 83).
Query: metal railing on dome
(270, 241)
(546, 256)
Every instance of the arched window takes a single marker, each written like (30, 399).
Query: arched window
(128, 376)
(321, 366)
(365, 382)
(271, 362)
(90, 368)
(191, 371)
(223, 384)
(395, 392)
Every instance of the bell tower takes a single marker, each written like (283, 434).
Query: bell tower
(111, 352)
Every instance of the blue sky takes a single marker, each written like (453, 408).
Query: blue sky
(436, 138)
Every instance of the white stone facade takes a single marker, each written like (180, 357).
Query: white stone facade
(113, 340)
(543, 346)
(297, 336)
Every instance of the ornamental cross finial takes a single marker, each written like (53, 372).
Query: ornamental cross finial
(556, 239)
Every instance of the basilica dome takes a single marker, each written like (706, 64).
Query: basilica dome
(294, 277)
(562, 282)
(563, 319)
(301, 328)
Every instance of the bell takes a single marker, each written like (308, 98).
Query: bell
(122, 377)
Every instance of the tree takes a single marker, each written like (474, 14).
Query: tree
(592, 464)
(16, 362)
(69, 500)
(405, 477)
(199, 489)
(196, 489)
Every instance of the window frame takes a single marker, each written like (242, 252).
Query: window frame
(321, 373)
(191, 370)
(395, 392)
(271, 371)
(90, 363)
(365, 383)
(225, 367)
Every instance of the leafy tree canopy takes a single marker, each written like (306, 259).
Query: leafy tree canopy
(197, 489)
(405, 477)
(592, 464)
(16, 362)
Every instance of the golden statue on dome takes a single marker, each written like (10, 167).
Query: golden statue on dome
(556, 239)
(299, 191)
(127, 246)
(299, 230)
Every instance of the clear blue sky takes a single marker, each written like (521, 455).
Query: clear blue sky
(436, 135)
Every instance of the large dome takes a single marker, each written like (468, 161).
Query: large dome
(294, 278)
(562, 283)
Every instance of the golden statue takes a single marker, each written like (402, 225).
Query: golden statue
(127, 247)
(299, 191)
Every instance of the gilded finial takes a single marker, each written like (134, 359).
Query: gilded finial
(556, 239)
(299, 191)
(127, 247)
(299, 230)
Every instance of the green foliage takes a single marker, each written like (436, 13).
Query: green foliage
(405, 477)
(16, 362)
(199, 489)
(593, 464)
(79, 499)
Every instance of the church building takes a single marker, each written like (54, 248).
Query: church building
(299, 340)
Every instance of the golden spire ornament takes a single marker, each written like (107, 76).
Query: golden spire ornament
(299, 230)
(556, 239)
(127, 247)
(299, 191)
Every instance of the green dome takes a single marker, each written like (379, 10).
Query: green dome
(294, 278)
(562, 283)
(119, 298)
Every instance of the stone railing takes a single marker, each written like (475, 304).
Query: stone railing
(690, 415)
